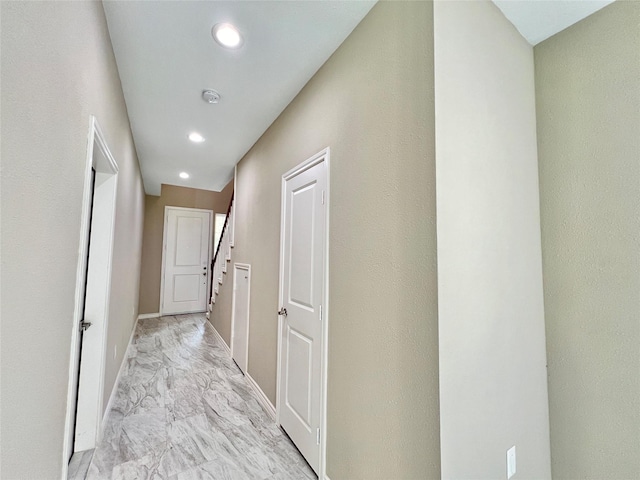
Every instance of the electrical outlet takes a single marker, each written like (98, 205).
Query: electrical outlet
(115, 351)
(511, 462)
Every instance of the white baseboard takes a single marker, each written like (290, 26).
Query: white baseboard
(118, 377)
(148, 315)
(262, 398)
(224, 344)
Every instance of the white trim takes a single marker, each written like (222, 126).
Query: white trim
(164, 249)
(144, 316)
(262, 397)
(95, 135)
(119, 376)
(247, 268)
(224, 344)
(325, 333)
(322, 156)
(102, 143)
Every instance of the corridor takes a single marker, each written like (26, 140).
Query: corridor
(183, 410)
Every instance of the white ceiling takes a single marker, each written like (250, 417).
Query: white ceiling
(537, 20)
(166, 57)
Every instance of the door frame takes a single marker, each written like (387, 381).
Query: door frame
(247, 268)
(164, 250)
(94, 137)
(320, 157)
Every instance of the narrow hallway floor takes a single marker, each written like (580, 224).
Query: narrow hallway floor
(183, 410)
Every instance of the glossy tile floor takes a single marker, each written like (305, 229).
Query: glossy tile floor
(183, 410)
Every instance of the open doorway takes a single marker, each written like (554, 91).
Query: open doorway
(217, 229)
(85, 409)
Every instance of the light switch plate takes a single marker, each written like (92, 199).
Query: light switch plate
(511, 462)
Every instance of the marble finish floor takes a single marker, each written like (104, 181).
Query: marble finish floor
(183, 410)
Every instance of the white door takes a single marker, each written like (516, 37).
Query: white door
(186, 254)
(86, 407)
(240, 315)
(90, 403)
(302, 294)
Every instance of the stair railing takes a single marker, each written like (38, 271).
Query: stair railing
(221, 256)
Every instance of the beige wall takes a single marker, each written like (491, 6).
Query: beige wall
(175, 196)
(53, 78)
(588, 103)
(372, 104)
(493, 387)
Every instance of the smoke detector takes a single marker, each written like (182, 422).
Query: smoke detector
(210, 96)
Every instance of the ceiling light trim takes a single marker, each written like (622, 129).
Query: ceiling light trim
(195, 137)
(227, 35)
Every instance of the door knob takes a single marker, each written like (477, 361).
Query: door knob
(283, 312)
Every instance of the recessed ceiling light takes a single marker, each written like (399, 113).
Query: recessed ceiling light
(196, 137)
(226, 35)
(184, 175)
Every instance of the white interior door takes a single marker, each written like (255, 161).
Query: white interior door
(96, 312)
(240, 315)
(186, 257)
(302, 294)
(93, 291)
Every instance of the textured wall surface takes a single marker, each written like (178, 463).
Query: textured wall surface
(588, 104)
(372, 104)
(493, 386)
(57, 69)
(175, 196)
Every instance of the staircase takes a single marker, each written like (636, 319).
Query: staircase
(221, 258)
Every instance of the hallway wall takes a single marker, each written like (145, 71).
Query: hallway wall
(372, 104)
(53, 78)
(176, 196)
(493, 385)
(588, 103)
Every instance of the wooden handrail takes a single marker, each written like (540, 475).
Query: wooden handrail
(215, 257)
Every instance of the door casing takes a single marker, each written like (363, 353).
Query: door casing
(320, 157)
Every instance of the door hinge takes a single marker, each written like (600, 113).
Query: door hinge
(320, 312)
(84, 325)
(317, 436)
(323, 197)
